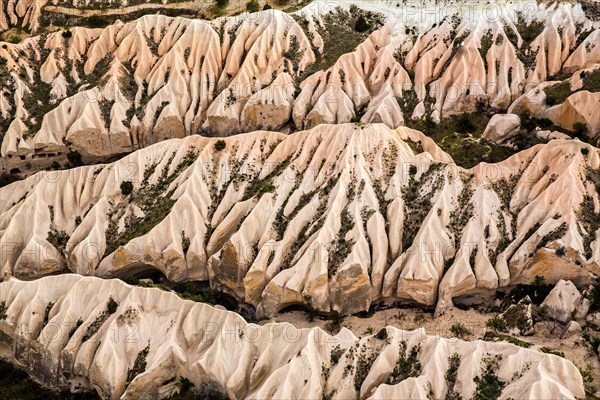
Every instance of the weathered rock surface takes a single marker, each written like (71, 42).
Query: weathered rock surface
(594, 319)
(502, 127)
(336, 218)
(171, 338)
(581, 107)
(170, 77)
(564, 303)
(572, 329)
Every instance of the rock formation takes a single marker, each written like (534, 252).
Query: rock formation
(132, 84)
(336, 218)
(565, 303)
(128, 342)
(310, 160)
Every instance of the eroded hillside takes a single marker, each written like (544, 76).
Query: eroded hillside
(335, 218)
(64, 340)
(129, 85)
(353, 160)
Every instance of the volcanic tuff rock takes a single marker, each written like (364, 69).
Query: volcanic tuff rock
(127, 342)
(502, 127)
(167, 77)
(336, 218)
(564, 303)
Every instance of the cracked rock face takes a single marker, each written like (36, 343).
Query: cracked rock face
(174, 338)
(335, 218)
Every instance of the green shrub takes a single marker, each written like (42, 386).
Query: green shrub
(419, 318)
(537, 291)
(494, 337)
(252, 6)
(363, 367)
(126, 188)
(211, 390)
(408, 364)
(594, 297)
(139, 365)
(460, 331)
(335, 323)
(6, 179)
(16, 384)
(580, 130)
(465, 123)
(361, 24)
(266, 7)
(74, 157)
(222, 3)
(220, 145)
(382, 334)
(3, 309)
(185, 384)
(489, 386)
(336, 354)
(496, 323)
(96, 21)
(92, 329)
(47, 313)
(548, 350)
(75, 327)
(557, 94)
(111, 306)
(450, 376)
(217, 11)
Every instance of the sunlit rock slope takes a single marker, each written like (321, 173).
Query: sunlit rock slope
(110, 91)
(335, 218)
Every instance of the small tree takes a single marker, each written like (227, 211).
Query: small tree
(496, 323)
(222, 3)
(382, 334)
(126, 188)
